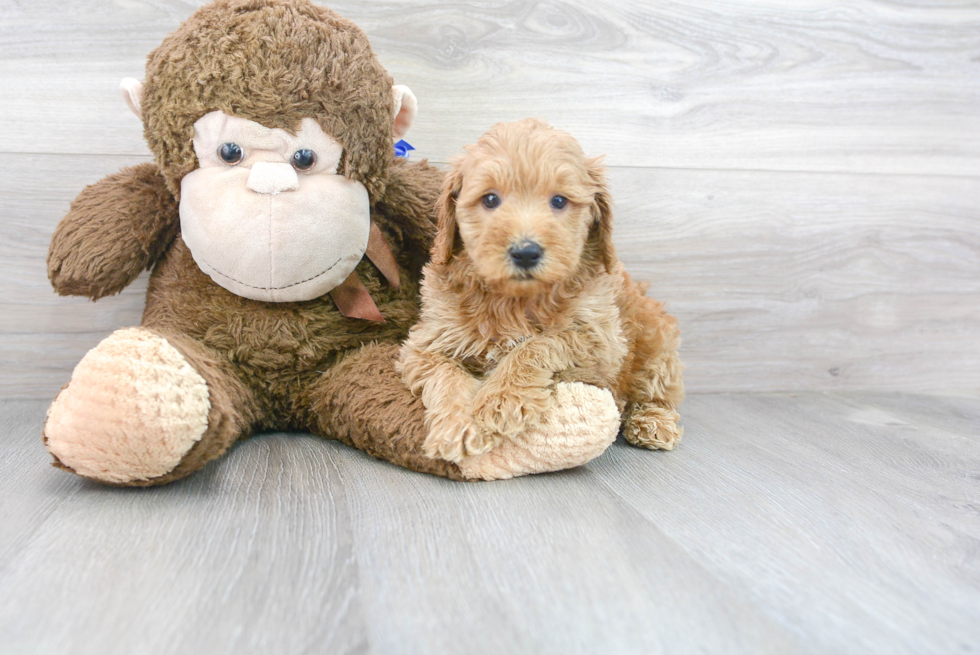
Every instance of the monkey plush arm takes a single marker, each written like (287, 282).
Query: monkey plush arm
(408, 208)
(115, 229)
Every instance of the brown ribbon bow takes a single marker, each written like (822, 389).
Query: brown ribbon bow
(351, 297)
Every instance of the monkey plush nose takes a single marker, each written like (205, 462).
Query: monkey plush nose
(267, 177)
(525, 254)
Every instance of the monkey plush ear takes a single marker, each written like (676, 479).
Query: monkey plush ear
(406, 106)
(132, 93)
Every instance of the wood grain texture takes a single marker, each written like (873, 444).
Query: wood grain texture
(780, 281)
(815, 523)
(542, 564)
(836, 277)
(830, 511)
(869, 86)
(217, 564)
(803, 281)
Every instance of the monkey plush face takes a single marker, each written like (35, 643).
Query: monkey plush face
(273, 124)
(266, 215)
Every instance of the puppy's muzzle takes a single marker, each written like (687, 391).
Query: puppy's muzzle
(526, 255)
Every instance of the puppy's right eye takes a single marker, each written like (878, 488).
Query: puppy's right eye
(559, 202)
(491, 201)
(231, 153)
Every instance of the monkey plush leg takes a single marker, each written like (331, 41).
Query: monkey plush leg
(144, 409)
(363, 402)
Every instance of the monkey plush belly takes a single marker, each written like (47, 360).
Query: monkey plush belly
(273, 346)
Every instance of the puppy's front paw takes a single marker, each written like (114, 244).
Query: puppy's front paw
(581, 424)
(505, 411)
(651, 426)
(453, 437)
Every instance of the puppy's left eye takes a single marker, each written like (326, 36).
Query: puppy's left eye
(559, 202)
(303, 160)
(491, 201)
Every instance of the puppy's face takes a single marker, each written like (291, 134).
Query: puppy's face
(525, 205)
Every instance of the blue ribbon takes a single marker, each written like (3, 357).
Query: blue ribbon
(402, 148)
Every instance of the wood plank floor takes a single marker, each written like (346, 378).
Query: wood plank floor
(812, 523)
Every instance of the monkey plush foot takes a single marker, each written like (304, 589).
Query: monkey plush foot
(132, 410)
(583, 422)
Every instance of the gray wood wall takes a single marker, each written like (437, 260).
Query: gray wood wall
(800, 180)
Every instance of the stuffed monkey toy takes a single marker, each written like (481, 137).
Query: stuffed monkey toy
(286, 244)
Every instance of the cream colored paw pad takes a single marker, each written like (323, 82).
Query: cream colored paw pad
(132, 410)
(582, 424)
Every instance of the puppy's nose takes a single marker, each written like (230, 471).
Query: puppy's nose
(526, 254)
(269, 177)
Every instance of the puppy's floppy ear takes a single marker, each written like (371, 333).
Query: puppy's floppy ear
(601, 230)
(445, 243)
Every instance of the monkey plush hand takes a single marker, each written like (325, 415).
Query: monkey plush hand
(286, 244)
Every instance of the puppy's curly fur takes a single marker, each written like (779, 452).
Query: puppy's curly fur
(501, 324)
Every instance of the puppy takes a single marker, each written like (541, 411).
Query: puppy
(524, 290)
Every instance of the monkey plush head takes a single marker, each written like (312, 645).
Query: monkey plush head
(273, 123)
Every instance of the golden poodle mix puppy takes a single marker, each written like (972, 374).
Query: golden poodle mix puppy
(524, 290)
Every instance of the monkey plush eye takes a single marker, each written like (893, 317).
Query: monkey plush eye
(231, 153)
(303, 160)
(559, 202)
(491, 201)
